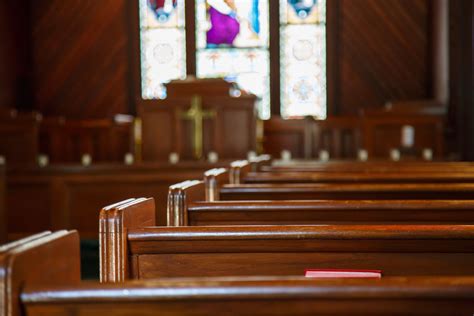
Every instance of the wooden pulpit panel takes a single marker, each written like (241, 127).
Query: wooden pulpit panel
(228, 127)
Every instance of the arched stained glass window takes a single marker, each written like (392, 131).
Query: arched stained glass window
(233, 42)
(163, 45)
(303, 58)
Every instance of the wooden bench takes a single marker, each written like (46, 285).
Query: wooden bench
(349, 191)
(370, 166)
(257, 296)
(132, 249)
(40, 276)
(189, 205)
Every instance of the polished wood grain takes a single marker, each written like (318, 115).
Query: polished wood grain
(344, 191)
(50, 259)
(335, 212)
(40, 277)
(257, 296)
(342, 137)
(114, 222)
(371, 166)
(104, 140)
(397, 250)
(69, 196)
(165, 131)
(80, 53)
(362, 177)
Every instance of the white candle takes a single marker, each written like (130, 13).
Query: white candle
(285, 155)
(427, 154)
(43, 160)
(212, 157)
(86, 160)
(395, 154)
(128, 159)
(363, 155)
(173, 158)
(324, 155)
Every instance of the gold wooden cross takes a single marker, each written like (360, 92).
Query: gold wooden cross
(197, 116)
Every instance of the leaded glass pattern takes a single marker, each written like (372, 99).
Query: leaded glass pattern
(163, 45)
(303, 58)
(232, 42)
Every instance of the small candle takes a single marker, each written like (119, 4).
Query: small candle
(212, 157)
(129, 159)
(173, 158)
(285, 155)
(363, 155)
(427, 154)
(86, 160)
(324, 155)
(251, 155)
(43, 160)
(395, 154)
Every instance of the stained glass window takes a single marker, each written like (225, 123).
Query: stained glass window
(232, 42)
(163, 45)
(303, 58)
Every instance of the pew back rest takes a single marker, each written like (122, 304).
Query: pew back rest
(214, 179)
(46, 259)
(348, 191)
(335, 212)
(288, 250)
(179, 197)
(238, 170)
(258, 296)
(114, 222)
(432, 176)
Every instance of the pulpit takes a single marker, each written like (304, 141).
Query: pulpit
(198, 117)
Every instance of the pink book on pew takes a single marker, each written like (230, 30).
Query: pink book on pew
(341, 273)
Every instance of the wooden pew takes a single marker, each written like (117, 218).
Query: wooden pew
(257, 296)
(189, 206)
(146, 252)
(369, 166)
(349, 191)
(366, 177)
(40, 277)
(37, 259)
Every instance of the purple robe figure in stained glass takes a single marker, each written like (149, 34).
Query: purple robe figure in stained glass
(224, 23)
(303, 7)
(162, 8)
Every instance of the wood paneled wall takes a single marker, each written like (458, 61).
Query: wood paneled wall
(15, 66)
(81, 51)
(384, 52)
(80, 55)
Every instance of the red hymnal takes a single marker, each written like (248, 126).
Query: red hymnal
(338, 273)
